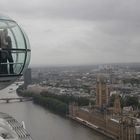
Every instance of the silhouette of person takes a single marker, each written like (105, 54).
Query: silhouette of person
(3, 56)
(8, 46)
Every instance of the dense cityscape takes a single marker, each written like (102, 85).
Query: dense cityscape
(81, 81)
(70, 70)
(112, 91)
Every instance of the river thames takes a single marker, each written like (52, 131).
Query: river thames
(44, 125)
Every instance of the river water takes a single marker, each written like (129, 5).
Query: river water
(44, 125)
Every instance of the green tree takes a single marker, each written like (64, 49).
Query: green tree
(132, 101)
(112, 99)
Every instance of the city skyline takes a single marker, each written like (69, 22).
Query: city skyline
(78, 32)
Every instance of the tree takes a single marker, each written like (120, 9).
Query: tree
(112, 99)
(131, 101)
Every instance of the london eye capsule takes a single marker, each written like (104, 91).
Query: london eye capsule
(14, 51)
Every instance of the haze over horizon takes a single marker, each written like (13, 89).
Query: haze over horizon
(78, 32)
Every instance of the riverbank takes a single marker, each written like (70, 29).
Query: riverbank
(51, 104)
(43, 124)
(92, 126)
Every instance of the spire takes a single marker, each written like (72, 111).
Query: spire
(102, 92)
(117, 104)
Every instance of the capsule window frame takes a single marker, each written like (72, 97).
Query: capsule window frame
(26, 51)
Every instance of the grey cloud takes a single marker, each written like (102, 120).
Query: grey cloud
(79, 31)
(76, 9)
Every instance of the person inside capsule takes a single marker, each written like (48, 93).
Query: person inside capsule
(8, 46)
(5, 52)
(3, 56)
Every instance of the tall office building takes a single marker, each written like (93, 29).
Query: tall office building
(27, 78)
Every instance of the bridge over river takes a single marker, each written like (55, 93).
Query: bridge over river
(19, 99)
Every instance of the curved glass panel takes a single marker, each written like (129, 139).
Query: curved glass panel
(19, 59)
(27, 59)
(14, 51)
(2, 25)
(19, 39)
(4, 17)
(26, 38)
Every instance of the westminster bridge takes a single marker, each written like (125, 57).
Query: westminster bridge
(19, 99)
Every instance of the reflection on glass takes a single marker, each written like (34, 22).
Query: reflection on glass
(14, 51)
(13, 48)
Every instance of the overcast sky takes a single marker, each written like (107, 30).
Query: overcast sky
(75, 32)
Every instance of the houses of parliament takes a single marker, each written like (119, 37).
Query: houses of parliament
(110, 121)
